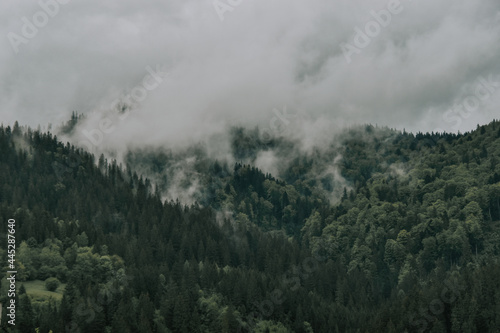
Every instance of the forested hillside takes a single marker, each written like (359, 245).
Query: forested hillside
(376, 231)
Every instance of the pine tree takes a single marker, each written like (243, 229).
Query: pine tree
(25, 315)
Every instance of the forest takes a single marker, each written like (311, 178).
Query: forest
(378, 230)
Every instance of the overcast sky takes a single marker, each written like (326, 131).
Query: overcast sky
(236, 62)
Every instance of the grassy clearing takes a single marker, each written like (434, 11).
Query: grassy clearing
(37, 292)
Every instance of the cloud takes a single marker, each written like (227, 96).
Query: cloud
(265, 54)
(267, 162)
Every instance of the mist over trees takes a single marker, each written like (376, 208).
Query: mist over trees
(376, 231)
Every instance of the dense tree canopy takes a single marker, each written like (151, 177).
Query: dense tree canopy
(378, 231)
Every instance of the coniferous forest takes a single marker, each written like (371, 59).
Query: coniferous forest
(379, 230)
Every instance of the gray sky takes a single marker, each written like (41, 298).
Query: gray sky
(418, 67)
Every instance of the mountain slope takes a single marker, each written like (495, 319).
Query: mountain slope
(377, 231)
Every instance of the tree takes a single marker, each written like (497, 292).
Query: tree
(394, 255)
(25, 315)
(51, 284)
(312, 228)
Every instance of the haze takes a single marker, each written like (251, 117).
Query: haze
(264, 55)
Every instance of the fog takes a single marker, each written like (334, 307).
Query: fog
(223, 63)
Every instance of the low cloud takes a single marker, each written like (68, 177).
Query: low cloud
(263, 55)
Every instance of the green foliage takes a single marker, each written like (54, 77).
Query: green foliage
(367, 234)
(271, 327)
(51, 284)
